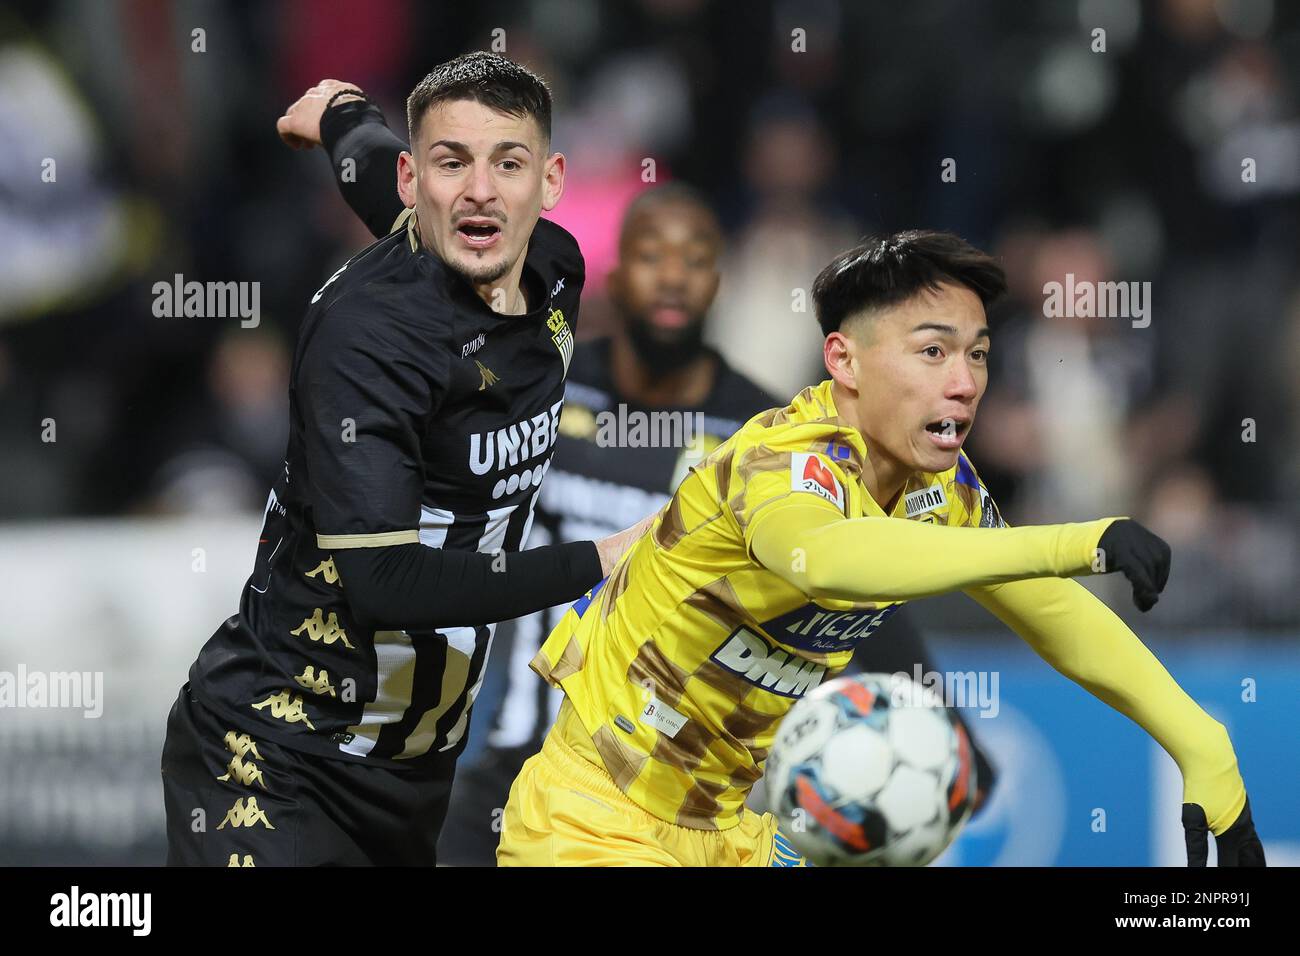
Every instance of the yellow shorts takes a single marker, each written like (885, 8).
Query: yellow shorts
(566, 811)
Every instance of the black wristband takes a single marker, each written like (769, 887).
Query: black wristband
(350, 91)
(342, 118)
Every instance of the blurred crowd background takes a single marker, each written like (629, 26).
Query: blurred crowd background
(809, 123)
(1124, 164)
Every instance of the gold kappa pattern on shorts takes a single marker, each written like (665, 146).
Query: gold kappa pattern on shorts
(316, 683)
(246, 813)
(242, 770)
(320, 628)
(286, 709)
(329, 574)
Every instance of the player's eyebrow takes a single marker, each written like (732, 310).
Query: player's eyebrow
(500, 147)
(983, 333)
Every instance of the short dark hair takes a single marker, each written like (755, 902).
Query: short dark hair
(886, 271)
(487, 78)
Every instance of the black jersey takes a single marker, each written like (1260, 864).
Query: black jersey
(418, 414)
(596, 489)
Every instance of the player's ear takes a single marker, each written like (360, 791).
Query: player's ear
(406, 179)
(837, 353)
(552, 181)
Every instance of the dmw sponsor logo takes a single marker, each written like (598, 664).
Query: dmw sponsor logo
(75, 908)
(811, 473)
(748, 655)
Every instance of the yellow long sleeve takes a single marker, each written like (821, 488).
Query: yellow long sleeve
(826, 555)
(1083, 639)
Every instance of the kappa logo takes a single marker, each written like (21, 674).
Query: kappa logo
(245, 815)
(317, 684)
(808, 472)
(320, 629)
(746, 654)
(245, 773)
(234, 861)
(326, 570)
(489, 377)
(283, 708)
(241, 745)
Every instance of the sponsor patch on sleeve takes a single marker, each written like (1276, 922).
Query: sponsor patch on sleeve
(809, 472)
(990, 517)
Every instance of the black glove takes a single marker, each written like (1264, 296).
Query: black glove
(1142, 556)
(1238, 845)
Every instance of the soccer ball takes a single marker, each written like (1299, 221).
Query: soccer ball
(871, 770)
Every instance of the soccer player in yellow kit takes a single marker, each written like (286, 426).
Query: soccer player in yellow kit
(794, 540)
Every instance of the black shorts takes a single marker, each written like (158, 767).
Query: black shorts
(233, 799)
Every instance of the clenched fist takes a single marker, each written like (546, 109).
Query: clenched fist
(300, 124)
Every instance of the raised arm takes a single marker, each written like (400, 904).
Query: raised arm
(363, 151)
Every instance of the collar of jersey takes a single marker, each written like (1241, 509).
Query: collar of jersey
(824, 396)
(543, 306)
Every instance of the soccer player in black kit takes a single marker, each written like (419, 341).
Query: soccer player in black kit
(656, 361)
(321, 724)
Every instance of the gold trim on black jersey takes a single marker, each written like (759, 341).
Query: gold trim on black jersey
(331, 542)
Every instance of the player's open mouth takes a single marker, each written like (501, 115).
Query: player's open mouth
(478, 233)
(948, 433)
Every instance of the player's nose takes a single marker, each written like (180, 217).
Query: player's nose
(961, 382)
(479, 185)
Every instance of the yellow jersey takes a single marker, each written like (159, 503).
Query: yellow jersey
(681, 664)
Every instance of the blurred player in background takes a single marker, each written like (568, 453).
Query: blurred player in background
(792, 542)
(655, 362)
(321, 724)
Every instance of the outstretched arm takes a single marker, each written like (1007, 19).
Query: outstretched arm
(1083, 639)
(825, 555)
